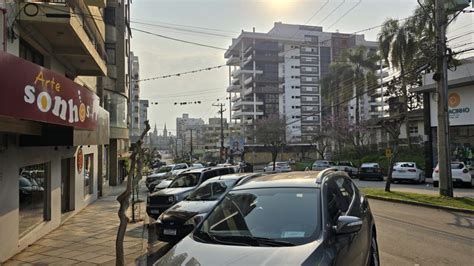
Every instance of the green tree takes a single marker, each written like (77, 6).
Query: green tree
(271, 133)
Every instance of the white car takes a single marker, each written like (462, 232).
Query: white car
(459, 172)
(407, 171)
(320, 165)
(176, 168)
(347, 167)
(279, 167)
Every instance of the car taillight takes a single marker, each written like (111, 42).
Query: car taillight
(436, 170)
(412, 170)
(465, 171)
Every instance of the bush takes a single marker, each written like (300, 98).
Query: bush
(301, 166)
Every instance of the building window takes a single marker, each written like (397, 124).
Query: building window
(295, 66)
(33, 188)
(29, 53)
(413, 130)
(88, 174)
(111, 53)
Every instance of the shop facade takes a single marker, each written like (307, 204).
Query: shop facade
(52, 137)
(461, 113)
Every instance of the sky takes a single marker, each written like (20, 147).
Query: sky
(226, 18)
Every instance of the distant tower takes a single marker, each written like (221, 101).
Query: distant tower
(155, 132)
(165, 132)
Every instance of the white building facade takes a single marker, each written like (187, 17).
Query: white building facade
(278, 74)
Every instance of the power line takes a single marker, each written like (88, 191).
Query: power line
(189, 26)
(332, 12)
(178, 40)
(181, 29)
(317, 12)
(345, 14)
(180, 74)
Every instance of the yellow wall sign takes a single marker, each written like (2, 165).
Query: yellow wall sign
(388, 152)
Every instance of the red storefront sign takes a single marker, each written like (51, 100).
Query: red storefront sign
(31, 92)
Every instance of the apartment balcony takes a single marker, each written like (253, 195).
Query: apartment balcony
(238, 105)
(73, 31)
(235, 98)
(240, 114)
(233, 60)
(236, 73)
(248, 91)
(248, 80)
(233, 88)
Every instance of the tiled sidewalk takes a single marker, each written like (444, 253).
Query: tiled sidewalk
(88, 238)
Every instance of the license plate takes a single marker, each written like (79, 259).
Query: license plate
(154, 211)
(171, 232)
(369, 170)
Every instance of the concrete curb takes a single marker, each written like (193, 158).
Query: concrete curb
(421, 204)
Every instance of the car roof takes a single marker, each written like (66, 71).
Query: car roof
(236, 176)
(291, 179)
(370, 164)
(406, 162)
(200, 170)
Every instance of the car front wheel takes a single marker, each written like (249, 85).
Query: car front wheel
(374, 252)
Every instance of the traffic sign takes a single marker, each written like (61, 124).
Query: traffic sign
(388, 153)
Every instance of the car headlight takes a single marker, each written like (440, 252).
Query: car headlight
(171, 199)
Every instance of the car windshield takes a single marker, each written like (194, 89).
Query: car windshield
(211, 191)
(186, 180)
(321, 163)
(282, 164)
(180, 166)
(164, 169)
(408, 165)
(286, 216)
(370, 165)
(457, 166)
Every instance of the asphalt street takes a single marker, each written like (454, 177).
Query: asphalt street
(412, 235)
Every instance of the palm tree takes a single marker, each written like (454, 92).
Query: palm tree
(362, 65)
(398, 46)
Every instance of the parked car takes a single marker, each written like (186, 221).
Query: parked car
(407, 171)
(179, 166)
(236, 167)
(179, 220)
(370, 171)
(158, 175)
(459, 172)
(279, 167)
(180, 187)
(197, 165)
(348, 167)
(285, 219)
(321, 165)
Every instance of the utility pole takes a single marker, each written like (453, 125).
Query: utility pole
(221, 111)
(441, 78)
(191, 149)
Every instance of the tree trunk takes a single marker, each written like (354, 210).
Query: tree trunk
(274, 157)
(124, 200)
(391, 162)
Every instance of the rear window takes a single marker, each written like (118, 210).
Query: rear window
(372, 165)
(457, 166)
(408, 165)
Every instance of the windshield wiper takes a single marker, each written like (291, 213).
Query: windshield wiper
(213, 238)
(256, 241)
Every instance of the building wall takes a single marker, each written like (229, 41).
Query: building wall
(14, 157)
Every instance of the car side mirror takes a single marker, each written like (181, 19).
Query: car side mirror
(348, 225)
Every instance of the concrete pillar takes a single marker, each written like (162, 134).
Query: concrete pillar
(113, 163)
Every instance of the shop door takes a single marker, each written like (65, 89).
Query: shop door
(66, 185)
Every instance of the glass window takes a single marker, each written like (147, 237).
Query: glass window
(186, 180)
(211, 191)
(33, 206)
(339, 197)
(88, 174)
(286, 216)
(111, 53)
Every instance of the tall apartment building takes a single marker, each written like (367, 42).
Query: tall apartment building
(278, 73)
(117, 84)
(135, 121)
(52, 126)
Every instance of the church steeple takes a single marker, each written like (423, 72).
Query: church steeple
(155, 131)
(165, 132)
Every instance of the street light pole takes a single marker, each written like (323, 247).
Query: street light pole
(441, 77)
(191, 149)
